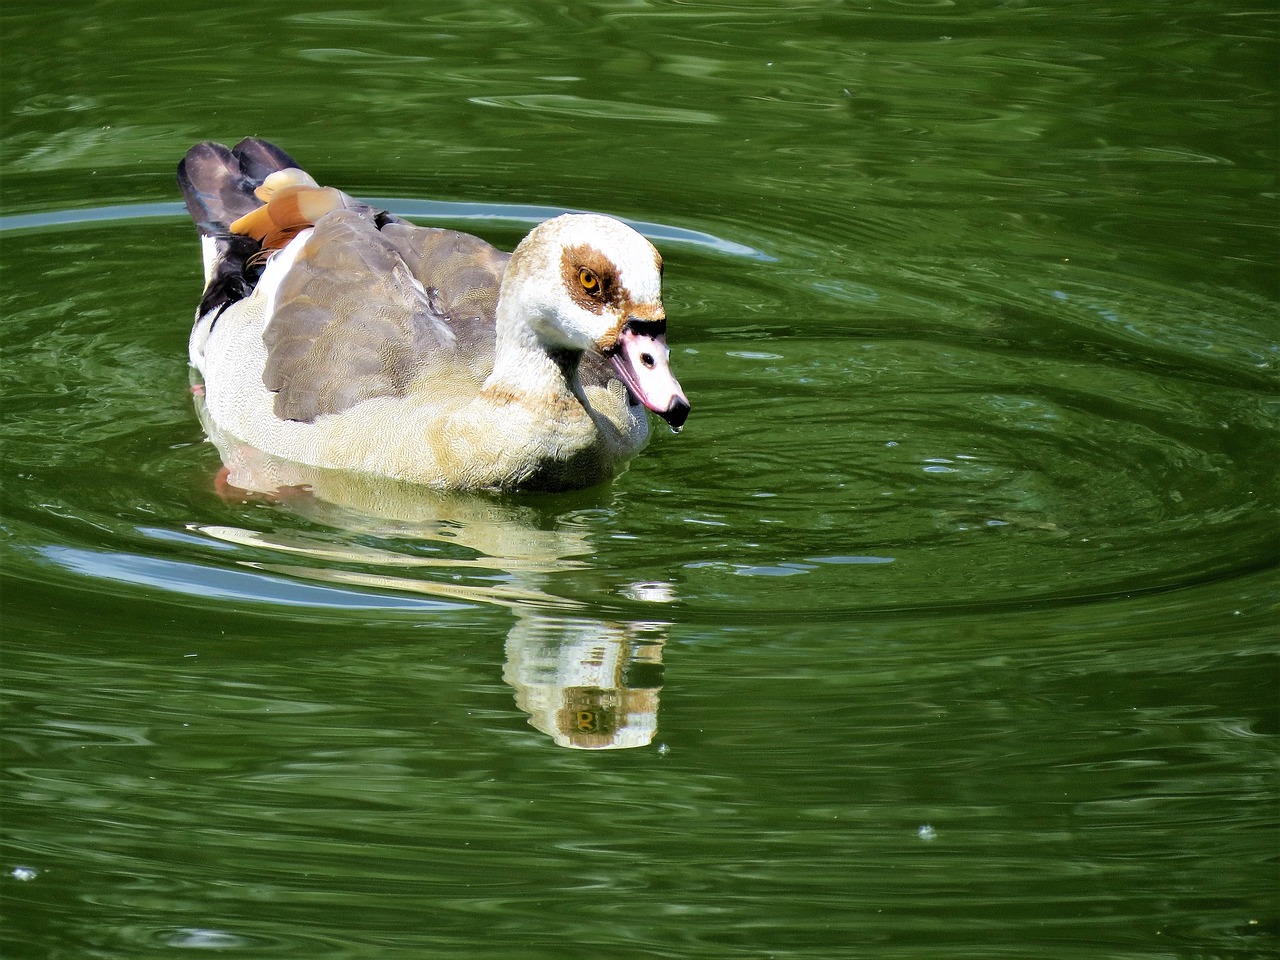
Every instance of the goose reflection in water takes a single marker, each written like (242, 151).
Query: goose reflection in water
(587, 683)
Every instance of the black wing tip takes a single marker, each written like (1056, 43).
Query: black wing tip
(260, 158)
(236, 272)
(218, 182)
(249, 155)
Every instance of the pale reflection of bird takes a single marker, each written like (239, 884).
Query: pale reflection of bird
(335, 335)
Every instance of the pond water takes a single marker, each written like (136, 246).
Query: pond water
(947, 628)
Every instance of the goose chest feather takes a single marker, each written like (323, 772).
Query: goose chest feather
(335, 335)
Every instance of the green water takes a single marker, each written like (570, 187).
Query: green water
(947, 628)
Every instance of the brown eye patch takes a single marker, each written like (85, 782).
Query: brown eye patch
(590, 277)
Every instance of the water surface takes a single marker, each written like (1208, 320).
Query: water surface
(946, 628)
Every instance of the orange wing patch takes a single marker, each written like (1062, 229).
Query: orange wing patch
(293, 203)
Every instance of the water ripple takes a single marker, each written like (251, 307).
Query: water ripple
(423, 209)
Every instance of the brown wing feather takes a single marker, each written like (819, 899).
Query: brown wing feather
(349, 323)
(461, 275)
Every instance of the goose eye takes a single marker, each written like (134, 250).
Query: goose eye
(590, 282)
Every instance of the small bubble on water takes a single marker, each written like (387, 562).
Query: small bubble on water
(23, 873)
(926, 832)
(663, 749)
(650, 592)
(197, 938)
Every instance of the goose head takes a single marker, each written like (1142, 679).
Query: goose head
(585, 282)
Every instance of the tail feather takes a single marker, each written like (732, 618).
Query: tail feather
(218, 183)
(246, 208)
(218, 186)
(259, 159)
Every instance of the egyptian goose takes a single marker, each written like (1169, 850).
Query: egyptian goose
(335, 335)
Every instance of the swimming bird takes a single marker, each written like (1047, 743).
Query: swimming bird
(336, 335)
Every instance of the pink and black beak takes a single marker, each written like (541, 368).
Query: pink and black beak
(640, 360)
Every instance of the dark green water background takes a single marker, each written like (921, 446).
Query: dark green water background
(956, 602)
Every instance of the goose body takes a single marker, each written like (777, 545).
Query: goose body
(334, 335)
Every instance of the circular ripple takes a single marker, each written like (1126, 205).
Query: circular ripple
(895, 444)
